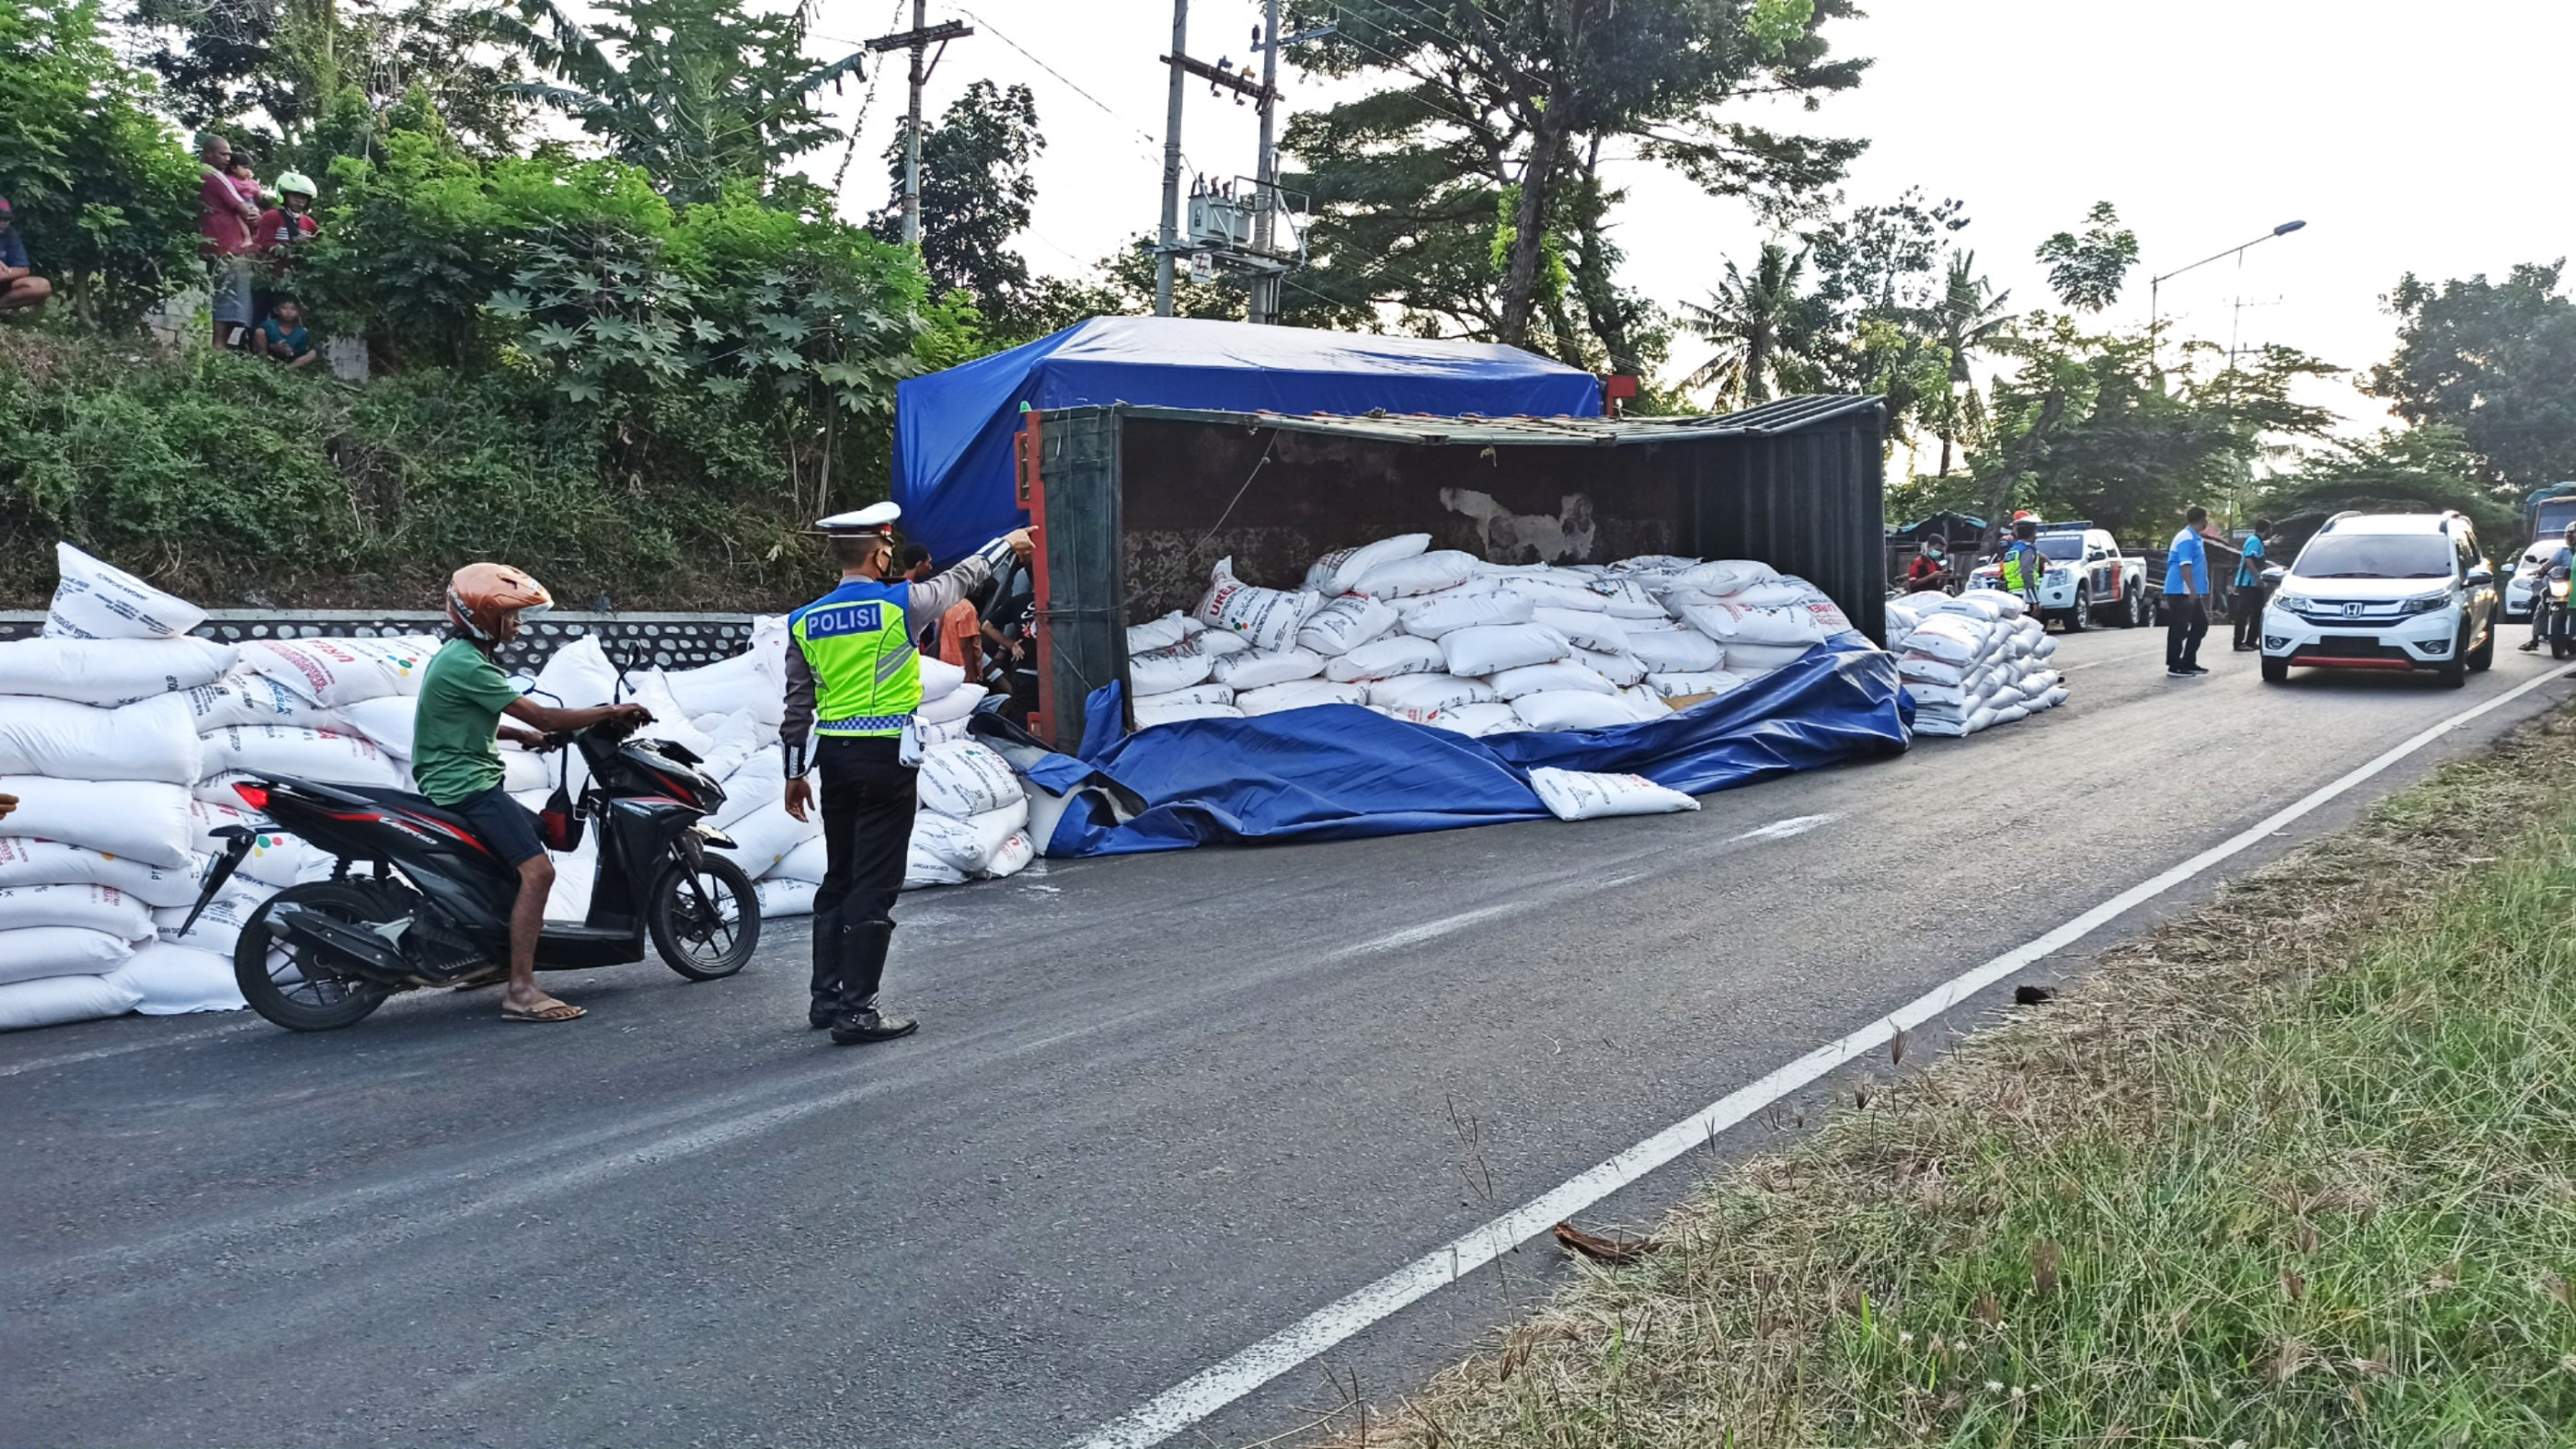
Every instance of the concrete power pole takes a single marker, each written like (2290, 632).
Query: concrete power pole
(1265, 287)
(918, 40)
(1171, 234)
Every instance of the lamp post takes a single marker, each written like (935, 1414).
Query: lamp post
(2155, 287)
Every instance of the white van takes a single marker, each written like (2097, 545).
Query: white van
(2385, 591)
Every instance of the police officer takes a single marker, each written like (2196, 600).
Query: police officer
(853, 683)
(2021, 566)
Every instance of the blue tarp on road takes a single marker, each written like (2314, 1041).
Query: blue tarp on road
(952, 432)
(1340, 772)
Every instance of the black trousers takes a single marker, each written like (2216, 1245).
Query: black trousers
(868, 798)
(2186, 622)
(2248, 609)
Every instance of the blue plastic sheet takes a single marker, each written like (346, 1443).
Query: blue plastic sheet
(952, 443)
(1339, 772)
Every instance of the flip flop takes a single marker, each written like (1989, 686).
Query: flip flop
(543, 1015)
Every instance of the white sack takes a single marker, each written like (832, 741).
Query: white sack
(248, 697)
(152, 740)
(59, 951)
(761, 779)
(1466, 610)
(1267, 617)
(1683, 686)
(939, 678)
(1491, 648)
(1340, 571)
(387, 722)
(955, 705)
(921, 868)
(1427, 573)
(1583, 795)
(1011, 856)
(97, 600)
(1724, 576)
(172, 980)
(954, 845)
(1564, 709)
(580, 676)
(61, 1000)
(780, 898)
(766, 836)
(144, 819)
(1240, 672)
(1162, 671)
(1345, 624)
(807, 862)
(1388, 658)
(1621, 669)
(1420, 695)
(1195, 694)
(576, 877)
(1731, 624)
(1597, 632)
(110, 672)
(1624, 598)
(1298, 694)
(754, 680)
(1743, 657)
(219, 928)
(966, 779)
(309, 754)
(336, 672)
(1160, 633)
(1152, 712)
(1474, 720)
(1675, 651)
(1561, 674)
(26, 862)
(1569, 594)
(920, 735)
(85, 907)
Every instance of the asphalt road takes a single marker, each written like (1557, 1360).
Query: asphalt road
(1160, 1108)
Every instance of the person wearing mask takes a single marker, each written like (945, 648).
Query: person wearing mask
(226, 222)
(2187, 597)
(2561, 565)
(456, 755)
(1930, 569)
(2021, 565)
(853, 684)
(2246, 606)
(20, 287)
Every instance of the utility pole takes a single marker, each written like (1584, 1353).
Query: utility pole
(1171, 235)
(1265, 288)
(917, 40)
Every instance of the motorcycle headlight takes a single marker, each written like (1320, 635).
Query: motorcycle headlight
(2424, 603)
(2295, 603)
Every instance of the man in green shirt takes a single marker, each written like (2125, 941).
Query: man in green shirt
(456, 755)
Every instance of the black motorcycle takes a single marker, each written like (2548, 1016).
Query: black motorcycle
(434, 909)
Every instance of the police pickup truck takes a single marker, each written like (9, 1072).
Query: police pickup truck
(2088, 579)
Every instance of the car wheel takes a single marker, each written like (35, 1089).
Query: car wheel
(2454, 674)
(2483, 656)
(2275, 671)
(2134, 614)
(2080, 617)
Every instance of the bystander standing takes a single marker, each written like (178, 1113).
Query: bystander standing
(2187, 597)
(225, 223)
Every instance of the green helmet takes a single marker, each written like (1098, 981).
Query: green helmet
(295, 182)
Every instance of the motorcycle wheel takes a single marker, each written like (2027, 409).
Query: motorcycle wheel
(305, 991)
(706, 924)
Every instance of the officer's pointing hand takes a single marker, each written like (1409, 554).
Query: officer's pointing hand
(1022, 541)
(799, 796)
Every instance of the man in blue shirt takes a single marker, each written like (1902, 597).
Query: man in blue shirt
(2247, 607)
(19, 284)
(2186, 598)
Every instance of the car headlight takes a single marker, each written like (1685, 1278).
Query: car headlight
(2295, 603)
(2057, 576)
(2425, 603)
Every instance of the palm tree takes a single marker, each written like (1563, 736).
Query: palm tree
(1971, 314)
(700, 92)
(1762, 326)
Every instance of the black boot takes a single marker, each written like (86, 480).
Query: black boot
(824, 999)
(862, 967)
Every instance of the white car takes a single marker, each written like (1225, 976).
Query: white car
(2519, 588)
(2087, 580)
(2385, 591)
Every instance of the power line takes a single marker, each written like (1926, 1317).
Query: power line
(1148, 136)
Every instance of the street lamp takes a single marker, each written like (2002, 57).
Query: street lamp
(2155, 286)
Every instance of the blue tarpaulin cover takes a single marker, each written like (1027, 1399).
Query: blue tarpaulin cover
(1340, 772)
(952, 432)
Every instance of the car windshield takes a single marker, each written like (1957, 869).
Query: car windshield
(2376, 556)
(2061, 546)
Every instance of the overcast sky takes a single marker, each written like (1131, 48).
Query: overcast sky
(2429, 138)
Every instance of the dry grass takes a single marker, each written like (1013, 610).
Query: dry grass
(2299, 1169)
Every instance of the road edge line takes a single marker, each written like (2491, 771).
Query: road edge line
(1221, 1384)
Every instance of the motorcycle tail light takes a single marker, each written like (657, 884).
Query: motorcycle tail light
(254, 796)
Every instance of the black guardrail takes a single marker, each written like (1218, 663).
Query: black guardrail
(664, 641)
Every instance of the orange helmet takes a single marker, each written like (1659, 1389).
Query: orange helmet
(479, 594)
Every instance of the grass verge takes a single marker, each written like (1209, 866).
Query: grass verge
(2299, 1169)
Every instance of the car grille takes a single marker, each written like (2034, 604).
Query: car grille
(2354, 613)
(2351, 646)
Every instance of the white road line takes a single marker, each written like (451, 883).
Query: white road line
(1204, 1393)
(1783, 829)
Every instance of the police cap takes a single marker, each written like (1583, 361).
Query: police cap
(876, 518)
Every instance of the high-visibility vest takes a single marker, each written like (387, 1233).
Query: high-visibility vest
(867, 674)
(2016, 572)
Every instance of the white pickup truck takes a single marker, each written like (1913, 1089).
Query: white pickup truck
(2088, 579)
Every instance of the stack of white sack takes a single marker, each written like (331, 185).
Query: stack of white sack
(1974, 661)
(97, 742)
(1440, 638)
